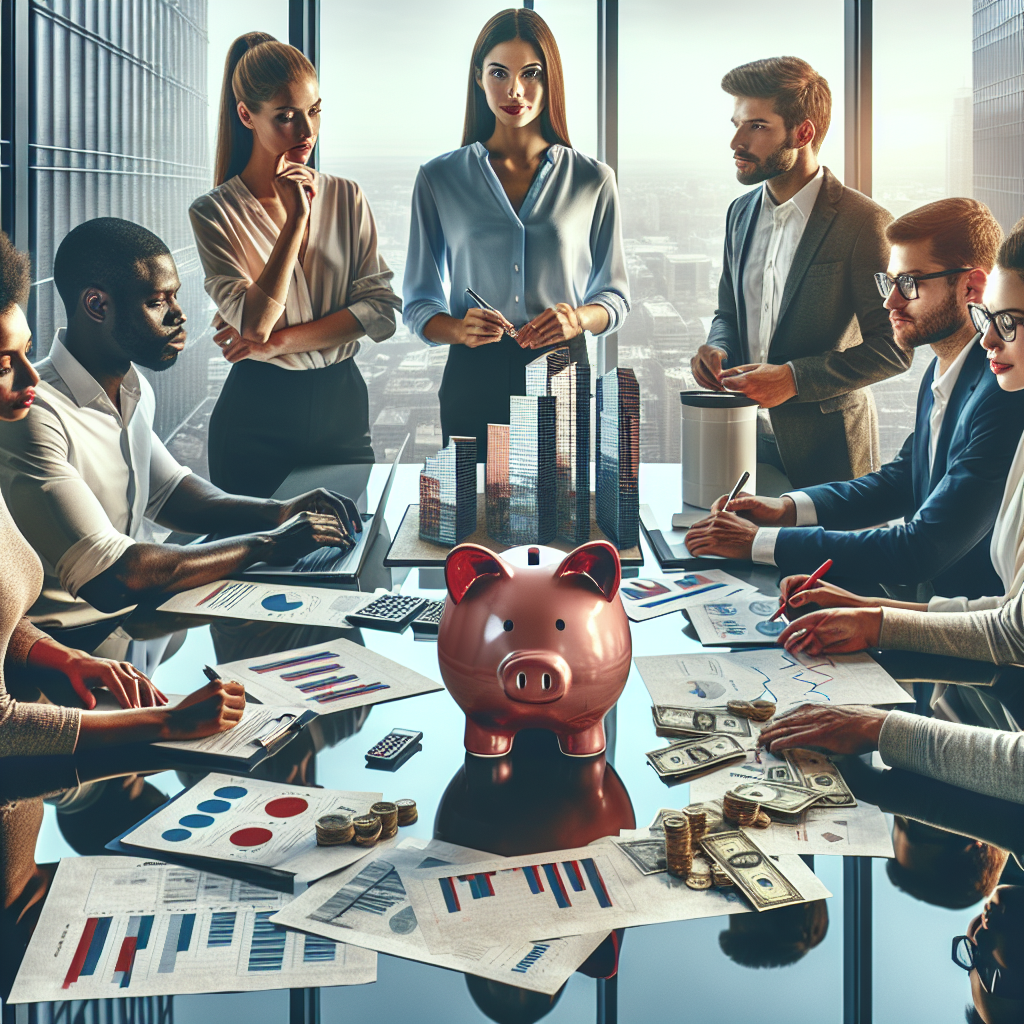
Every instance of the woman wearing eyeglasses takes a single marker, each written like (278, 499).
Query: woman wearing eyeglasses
(522, 219)
(993, 952)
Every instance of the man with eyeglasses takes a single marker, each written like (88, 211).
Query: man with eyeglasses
(947, 481)
(993, 952)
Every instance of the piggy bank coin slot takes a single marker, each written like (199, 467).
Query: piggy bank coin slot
(533, 556)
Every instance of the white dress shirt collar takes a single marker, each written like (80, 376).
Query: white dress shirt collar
(802, 203)
(85, 389)
(942, 391)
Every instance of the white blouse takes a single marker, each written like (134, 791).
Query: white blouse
(341, 269)
(1006, 549)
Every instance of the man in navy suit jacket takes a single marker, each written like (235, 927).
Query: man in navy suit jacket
(947, 481)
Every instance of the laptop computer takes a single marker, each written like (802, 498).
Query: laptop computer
(330, 564)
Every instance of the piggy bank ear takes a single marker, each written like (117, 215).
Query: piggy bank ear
(468, 563)
(598, 562)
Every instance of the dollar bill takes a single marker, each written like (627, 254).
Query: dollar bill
(697, 755)
(782, 773)
(776, 797)
(754, 872)
(691, 721)
(647, 854)
(817, 772)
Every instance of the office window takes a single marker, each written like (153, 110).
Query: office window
(383, 118)
(924, 147)
(677, 178)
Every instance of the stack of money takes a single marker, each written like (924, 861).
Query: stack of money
(699, 877)
(736, 808)
(388, 814)
(407, 813)
(784, 803)
(679, 761)
(698, 820)
(670, 721)
(759, 878)
(334, 829)
(367, 828)
(755, 710)
(678, 849)
(719, 878)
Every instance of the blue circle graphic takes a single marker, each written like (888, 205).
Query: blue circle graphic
(230, 792)
(196, 820)
(280, 603)
(770, 628)
(176, 835)
(214, 806)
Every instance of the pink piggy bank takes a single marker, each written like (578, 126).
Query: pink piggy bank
(534, 639)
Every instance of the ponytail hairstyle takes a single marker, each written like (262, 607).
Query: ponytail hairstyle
(256, 69)
(517, 23)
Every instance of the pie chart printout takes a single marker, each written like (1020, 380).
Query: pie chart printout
(251, 836)
(280, 603)
(286, 807)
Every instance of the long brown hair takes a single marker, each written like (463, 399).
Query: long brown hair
(517, 23)
(257, 67)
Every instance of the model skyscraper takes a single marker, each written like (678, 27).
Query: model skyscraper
(448, 493)
(496, 482)
(571, 390)
(533, 492)
(617, 455)
(540, 372)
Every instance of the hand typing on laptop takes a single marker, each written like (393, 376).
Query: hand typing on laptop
(327, 503)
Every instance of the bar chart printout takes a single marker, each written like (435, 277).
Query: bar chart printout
(116, 927)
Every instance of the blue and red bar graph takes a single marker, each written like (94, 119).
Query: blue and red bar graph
(580, 874)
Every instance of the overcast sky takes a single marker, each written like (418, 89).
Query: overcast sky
(393, 72)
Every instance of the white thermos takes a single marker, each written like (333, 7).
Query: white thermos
(719, 444)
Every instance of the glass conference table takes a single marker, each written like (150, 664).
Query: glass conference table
(871, 952)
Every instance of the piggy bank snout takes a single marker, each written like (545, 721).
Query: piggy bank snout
(535, 677)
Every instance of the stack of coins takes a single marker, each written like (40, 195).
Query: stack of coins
(407, 813)
(719, 878)
(743, 812)
(755, 710)
(367, 828)
(334, 829)
(698, 824)
(388, 814)
(678, 848)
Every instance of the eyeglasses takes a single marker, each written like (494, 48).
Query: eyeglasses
(1004, 321)
(906, 284)
(997, 980)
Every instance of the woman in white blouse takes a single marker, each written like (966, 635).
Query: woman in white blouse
(291, 261)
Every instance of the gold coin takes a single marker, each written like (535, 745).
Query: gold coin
(698, 881)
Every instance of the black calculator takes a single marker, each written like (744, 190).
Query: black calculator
(392, 612)
(394, 749)
(428, 621)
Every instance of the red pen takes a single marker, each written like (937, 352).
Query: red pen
(809, 582)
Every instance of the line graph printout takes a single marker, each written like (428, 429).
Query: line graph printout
(327, 677)
(367, 905)
(263, 602)
(117, 926)
(233, 818)
(711, 680)
(648, 598)
(860, 831)
(566, 892)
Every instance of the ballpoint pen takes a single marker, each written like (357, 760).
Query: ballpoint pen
(809, 582)
(736, 490)
(483, 304)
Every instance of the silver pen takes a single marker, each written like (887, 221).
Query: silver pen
(510, 331)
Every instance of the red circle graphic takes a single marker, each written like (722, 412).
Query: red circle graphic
(286, 807)
(251, 836)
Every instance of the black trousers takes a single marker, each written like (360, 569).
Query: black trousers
(478, 383)
(269, 421)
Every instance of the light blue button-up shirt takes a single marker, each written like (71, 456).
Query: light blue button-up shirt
(564, 245)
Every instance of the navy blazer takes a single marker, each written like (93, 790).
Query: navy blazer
(948, 512)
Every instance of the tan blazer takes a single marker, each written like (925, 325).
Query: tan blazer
(831, 327)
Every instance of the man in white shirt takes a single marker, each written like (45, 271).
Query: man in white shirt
(947, 481)
(83, 474)
(799, 328)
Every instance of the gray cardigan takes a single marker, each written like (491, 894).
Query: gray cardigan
(989, 761)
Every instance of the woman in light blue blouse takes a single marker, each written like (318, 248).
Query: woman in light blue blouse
(521, 218)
